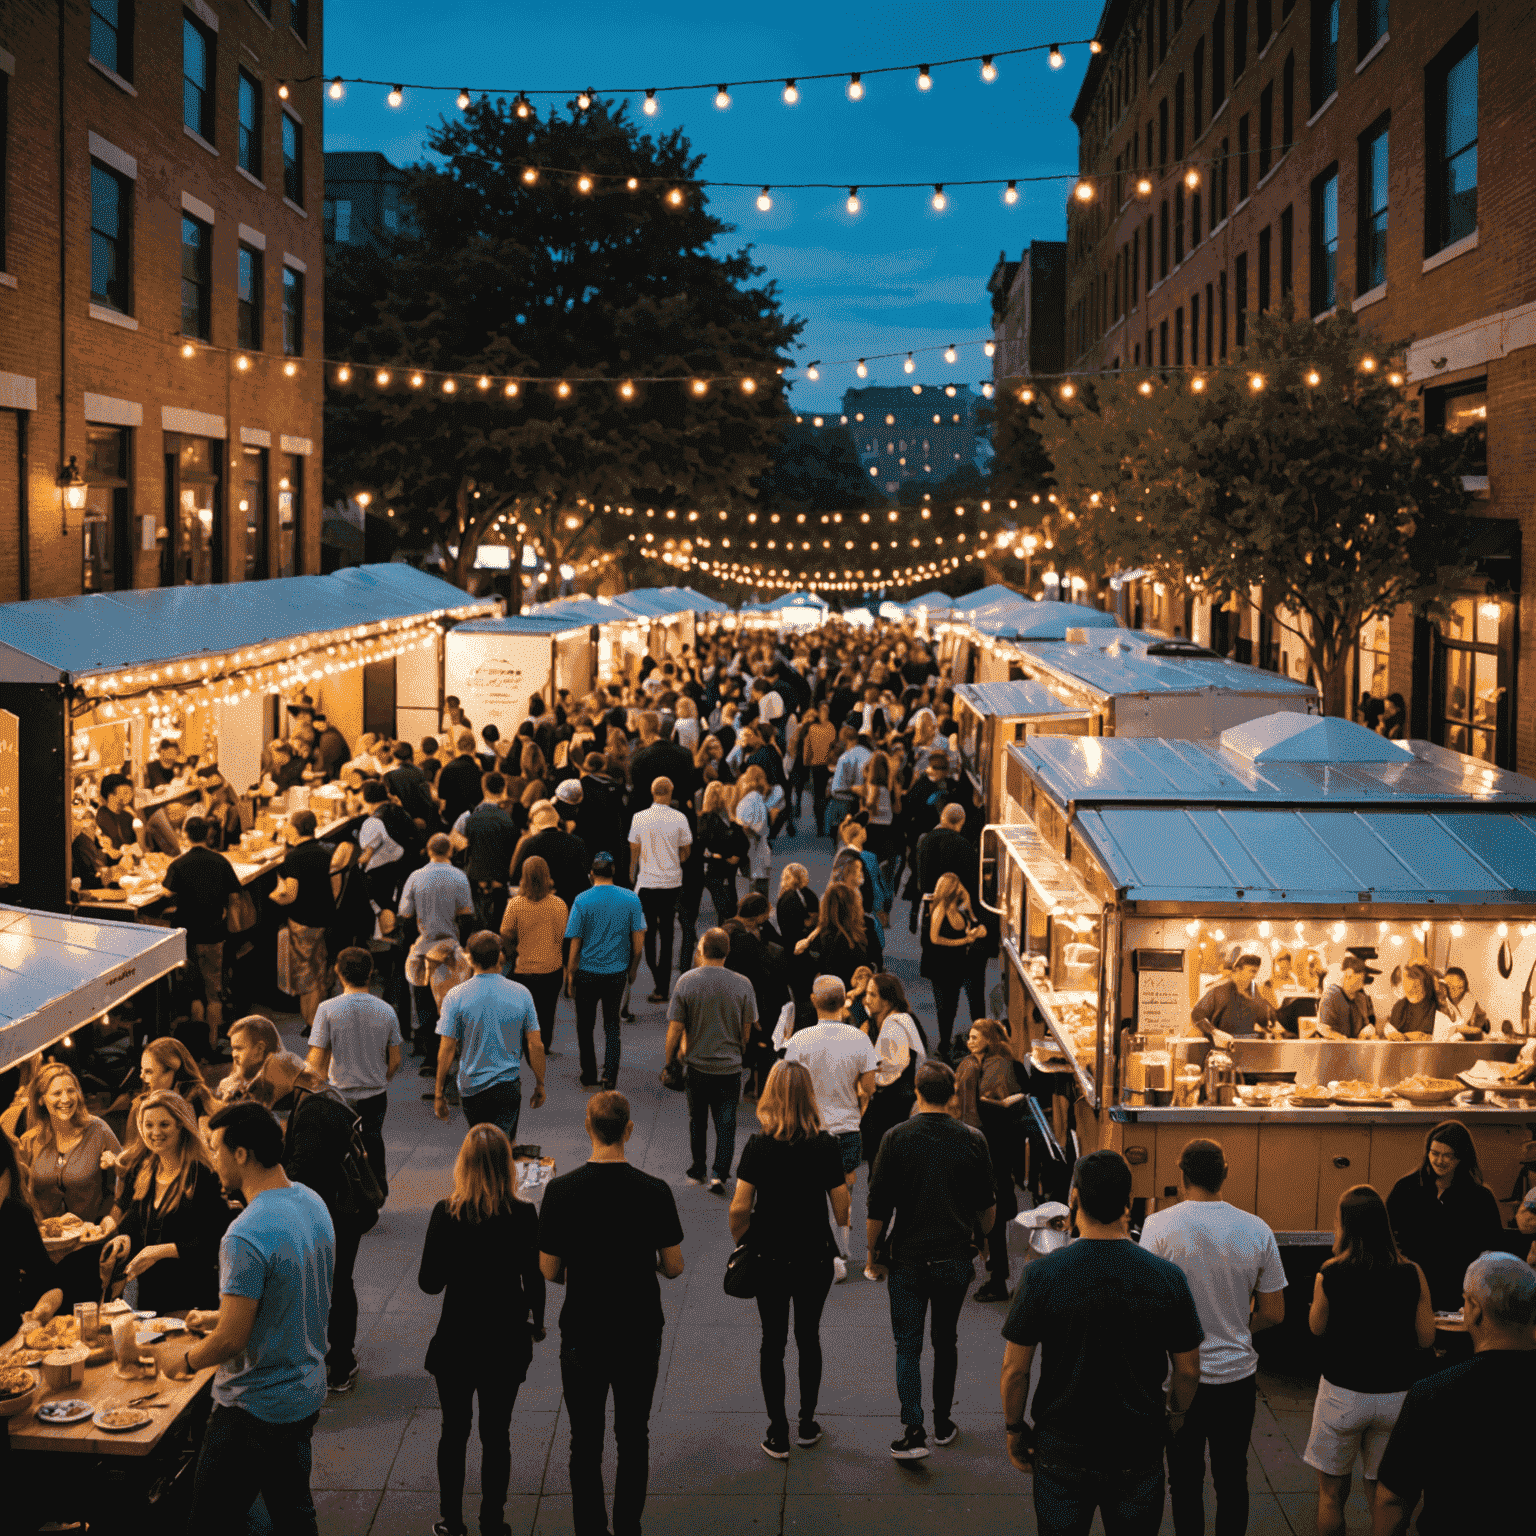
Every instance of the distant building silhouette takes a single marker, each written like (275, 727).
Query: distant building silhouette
(902, 435)
(365, 202)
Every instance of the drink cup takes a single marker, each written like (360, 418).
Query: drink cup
(88, 1319)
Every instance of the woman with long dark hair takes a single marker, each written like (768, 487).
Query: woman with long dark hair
(987, 1087)
(482, 1251)
(844, 938)
(532, 925)
(950, 956)
(1442, 1215)
(787, 1174)
(1371, 1308)
(902, 1046)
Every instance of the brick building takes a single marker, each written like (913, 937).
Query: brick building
(160, 293)
(904, 434)
(1329, 150)
(1029, 311)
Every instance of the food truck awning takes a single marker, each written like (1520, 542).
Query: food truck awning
(1019, 698)
(798, 600)
(57, 973)
(695, 602)
(653, 603)
(1021, 619)
(575, 611)
(937, 602)
(1138, 662)
(49, 639)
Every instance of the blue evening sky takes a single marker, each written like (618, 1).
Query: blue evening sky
(897, 276)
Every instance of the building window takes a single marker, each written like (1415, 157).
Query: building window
(1135, 266)
(1218, 54)
(337, 220)
(1210, 325)
(253, 510)
(1287, 106)
(1197, 105)
(1162, 30)
(1266, 248)
(107, 553)
(293, 313)
(1194, 220)
(1178, 224)
(1460, 407)
(1178, 117)
(197, 45)
(290, 516)
(196, 253)
(1325, 49)
(298, 19)
(109, 237)
(1263, 23)
(1452, 139)
(1242, 158)
(1150, 278)
(1162, 343)
(1266, 129)
(1474, 677)
(1287, 234)
(1222, 288)
(1220, 210)
(1240, 298)
(1194, 328)
(250, 125)
(1372, 245)
(293, 160)
(1239, 37)
(112, 35)
(1162, 134)
(193, 554)
(1162, 242)
(1372, 18)
(248, 302)
(5, 138)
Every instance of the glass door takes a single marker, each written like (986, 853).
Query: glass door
(253, 508)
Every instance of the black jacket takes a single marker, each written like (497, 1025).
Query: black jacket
(602, 821)
(316, 1143)
(661, 759)
(942, 852)
(195, 1226)
(1443, 1235)
(570, 865)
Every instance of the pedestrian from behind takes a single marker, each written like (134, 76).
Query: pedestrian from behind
(752, 817)
(1232, 1263)
(842, 1064)
(659, 842)
(726, 849)
(303, 889)
(932, 1189)
(436, 896)
(788, 1173)
(532, 928)
(606, 1231)
(487, 1022)
(1107, 1318)
(482, 1256)
(709, 1024)
(202, 883)
(1371, 1308)
(902, 1046)
(606, 928)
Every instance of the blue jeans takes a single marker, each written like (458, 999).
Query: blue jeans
(1130, 1499)
(242, 1456)
(501, 1104)
(912, 1288)
(712, 1095)
(590, 989)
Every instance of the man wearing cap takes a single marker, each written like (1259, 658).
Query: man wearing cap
(1346, 1010)
(606, 928)
(660, 840)
(551, 839)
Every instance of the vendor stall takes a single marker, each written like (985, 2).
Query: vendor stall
(1141, 872)
(495, 666)
(91, 686)
(991, 715)
(978, 642)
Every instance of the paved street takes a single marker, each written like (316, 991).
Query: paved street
(374, 1470)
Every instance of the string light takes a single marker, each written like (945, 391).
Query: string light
(855, 88)
(699, 386)
(988, 68)
(632, 183)
(1083, 191)
(1068, 390)
(462, 100)
(1368, 365)
(282, 90)
(530, 175)
(522, 106)
(510, 391)
(1191, 178)
(583, 183)
(989, 348)
(939, 201)
(764, 201)
(1256, 382)
(396, 95)
(563, 389)
(290, 368)
(482, 382)
(381, 378)
(924, 79)
(862, 369)
(675, 197)
(1056, 58)
(1198, 385)
(853, 204)
(910, 366)
(813, 372)
(343, 375)
(242, 362)
(1011, 193)
(652, 106)
(1143, 186)
(449, 386)
(1314, 378)
(584, 100)
(336, 90)
(791, 93)
(748, 386)
(187, 349)
(950, 355)
(723, 99)
(415, 381)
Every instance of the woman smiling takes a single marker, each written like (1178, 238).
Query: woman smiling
(70, 1153)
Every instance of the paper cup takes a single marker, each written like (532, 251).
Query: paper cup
(64, 1368)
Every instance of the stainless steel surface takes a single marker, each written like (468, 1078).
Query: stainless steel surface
(1016, 700)
(1384, 1062)
(1220, 1076)
(1043, 1008)
(1128, 663)
(1388, 1115)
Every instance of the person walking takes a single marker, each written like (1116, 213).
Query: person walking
(304, 889)
(565, 855)
(659, 841)
(726, 849)
(482, 1256)
(355, 1044)
(1108, 1319)
(843, 1065)
(709, 1024)
(488, 837)
(202, 883)
(487, 1023)
(1371, 1308)
(606, 927)
(605, 1232)
(532, 928)
(950, 956)
(437, 895)
(752, 816)
(789, 1172)
(268, 1335)
(987, 1089)
(931, 1183)
(902, 1047)
(1232, 1263)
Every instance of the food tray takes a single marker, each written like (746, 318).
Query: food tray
(1384, 1102)
(1415, 1096)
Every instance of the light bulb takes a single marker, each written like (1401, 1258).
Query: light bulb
(282, 91)
(862, 369)
(336, 90)
(381, 378)
(415, 381)
(988, 69)
(1314, 378)
(1265, 929)
(343, 375)
(722, 98)
(855, 88)
(584, 100)
(1144, 186)
(633, 183)
(1056, 59)
(1367, 365)
(652, 106)
(510, 391)
(627, 390)
(523, 106)
(1395, 379)
(396, 95)
(1255, 382)
(242, 363)
(583, 183)
(791, 93)
(1011, 193)
(530, 175)
(764, 201)
(939, 201)
(853, 204)
(483, 382)
(986, 391)
(1457, 929)
(1198, 385)
(910, 366)
(187, 349)
(1191, 178)
(290, 368)
(924, 79)
(1028, 397)
(675, 197)
(463, 100)
(748, 386)
(449, 386)
(813, 372)
(699, 386)
(563, 389)
(1083, 191)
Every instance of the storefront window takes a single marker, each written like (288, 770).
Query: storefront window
(105, 536)
(1473, 682)
(290, 512)
(253, 508)
(193, 504)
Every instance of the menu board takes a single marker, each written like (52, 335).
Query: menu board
(10, 799)
(1162, 999)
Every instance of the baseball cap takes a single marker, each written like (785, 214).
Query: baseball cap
(1047, 1225)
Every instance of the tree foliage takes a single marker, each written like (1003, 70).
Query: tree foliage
(817, 469)
(507, 277)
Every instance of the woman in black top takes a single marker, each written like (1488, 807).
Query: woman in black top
(844, 938)
(1371, 1309)
(950, 955)
(786, 1175)
(1415, 1009)
(26, 1272)
(482, 1250)
(1443, 1216)
(725, 851)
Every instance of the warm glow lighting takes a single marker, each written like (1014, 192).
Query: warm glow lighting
(633, 183)
(530, 175)
(482, 382)
(791, 93)
(748, 386)
(584, 100)
(510, 391)
(449, 386)
(1314, 378)
(1191, 178)
(675, 197)
(939, 201)
(290, 368)
(764, 201)
(1068, 390)
(343, 375)
(1056, 59)
(1198, 385)
(523, 106)
(415, 381)
(282, 91)
(1083, 191)
(722, 98)
(989, 347)
(853, 204)
(1011, 193)
(855, 89)
(1367, 365)
(1144, 186)
(652, 106)
(1027, 396)
(950, 355)
(242, 363)
(463, 100)
(562, 389)
(583, 183)
(813, 372)
(862, 369)
(1395, 379)
(910, 366)
(1256, 382)
(396, 95)
(924, 79)
(627, 390)
(336, 90)
(187, 349)
(699, 386)
(381, 378)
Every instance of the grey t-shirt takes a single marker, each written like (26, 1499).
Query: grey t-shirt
(716, 1007)
(358, 1029)
(434, 895)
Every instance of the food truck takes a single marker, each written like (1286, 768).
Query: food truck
(1139, 870)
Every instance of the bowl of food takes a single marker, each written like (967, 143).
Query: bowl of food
(1357, 1091)
(1310, 1095)
(18, 1387)
(1421, 1088)
(58, 1333)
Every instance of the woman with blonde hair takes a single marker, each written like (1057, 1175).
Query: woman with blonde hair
(798, 905)
(787, 1174)
(174, 1212)
(70, 1153)
(532, 926)
(726, 848)
(950, 956)
(751, 815)
(482, 1254)
(686, 730)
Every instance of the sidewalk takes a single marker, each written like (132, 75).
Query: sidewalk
(374, 1468)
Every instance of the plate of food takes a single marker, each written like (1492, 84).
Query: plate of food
(64, 1410)
(1309, 1095)
(119, 1421)
(59, 1333)
(1261, 1095)
(60, 1233)
(14, 1381)
(1358, 1092)
(1421, 1088)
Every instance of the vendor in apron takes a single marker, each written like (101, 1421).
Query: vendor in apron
(1234, 1007)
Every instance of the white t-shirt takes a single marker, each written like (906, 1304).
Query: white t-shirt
(386, 850)
(664, 838)
(836, 1055)
(899, 1042)
(1226, 1256)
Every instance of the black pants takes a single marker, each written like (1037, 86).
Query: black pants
(660, 908)
(946, 999)
(426, 1022)
(589, 1371)
(590, 989)
(545, 986)
(803, 1283)
(496, 1386)
(341, 1330)
(1221, 1417)
(819, 778)
(242, 1456)
(490, 903)
(722, 891)
(370, 1112)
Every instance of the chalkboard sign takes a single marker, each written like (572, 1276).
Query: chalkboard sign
(1162, 997)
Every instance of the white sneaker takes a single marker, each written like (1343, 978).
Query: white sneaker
(839, 1269)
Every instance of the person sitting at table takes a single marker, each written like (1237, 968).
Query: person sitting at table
(287, 769)
(1234, 1007)
(115, 813)
(70, 1153)
(1414, 1011)
(173, 1212)
(1346, 1011)
(90, 861)
(1458, 1004)
(166, 768)
(162, 832)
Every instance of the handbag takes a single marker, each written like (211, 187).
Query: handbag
(741, 1273)
(240, 913)
(674, 1076)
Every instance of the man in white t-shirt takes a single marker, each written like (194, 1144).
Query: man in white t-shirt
(842, 1064)
(1232, 1263)
(659, 841)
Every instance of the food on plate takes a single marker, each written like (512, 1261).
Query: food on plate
(14, 1382)
(122, 1418)
(1357, 1088)
(1262, 1093)
(1422, 1082)
(64, 1410)
(66, 1225)
(58, 1334)
(166, 1325)
(1310, 1093)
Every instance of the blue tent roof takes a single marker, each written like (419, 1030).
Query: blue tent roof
(1021, 619)
(583, 610)
(105, 632)
(798, 600)
(986, 597)
(933, 601)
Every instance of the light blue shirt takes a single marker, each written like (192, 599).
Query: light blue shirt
(489, 1016)
(603, 918)
(279, 1252)
(849, 772)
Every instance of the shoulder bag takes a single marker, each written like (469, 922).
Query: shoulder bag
(741, 1273)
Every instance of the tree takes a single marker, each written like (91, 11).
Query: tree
(817, 469)
(537, 278)
(1303, 470)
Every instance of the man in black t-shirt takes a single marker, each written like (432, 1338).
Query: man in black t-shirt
(115, 814)
(458, 785)
(606, 1231)
(1108, 1317)
(202, 882)
(304, 888)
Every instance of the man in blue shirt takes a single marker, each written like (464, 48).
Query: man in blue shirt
(275, 1267)
(607, 932)
(487, 1022)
